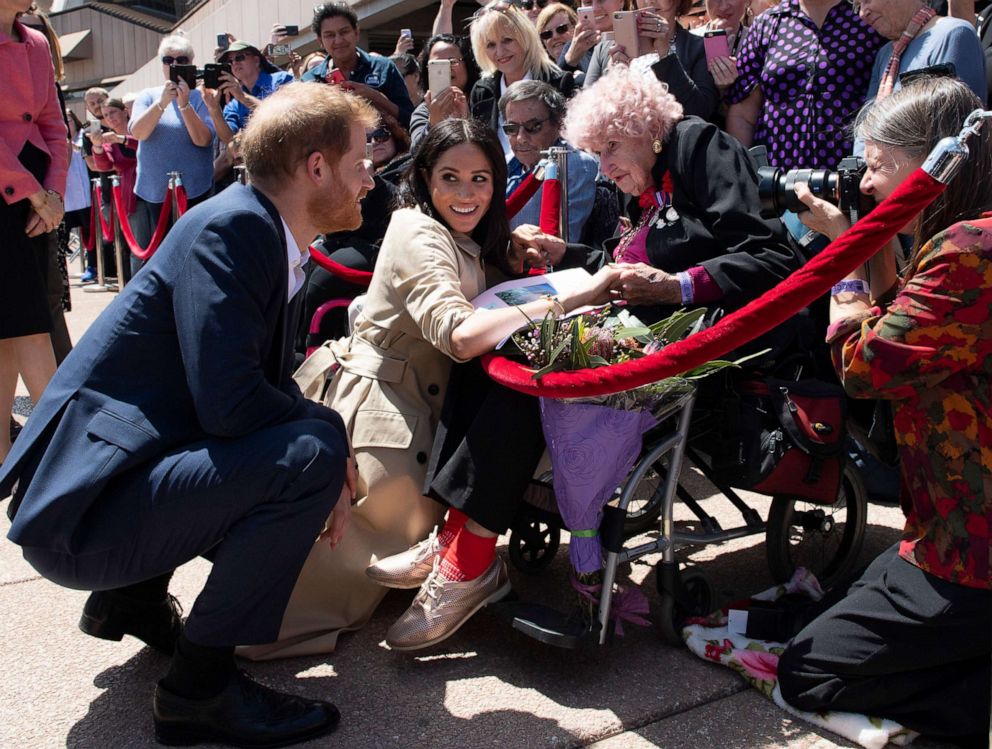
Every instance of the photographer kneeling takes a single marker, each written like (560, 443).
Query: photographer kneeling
(910, 639)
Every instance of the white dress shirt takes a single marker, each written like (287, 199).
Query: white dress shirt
(296, 261)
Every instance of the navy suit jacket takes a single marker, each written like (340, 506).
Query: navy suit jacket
(198, 346)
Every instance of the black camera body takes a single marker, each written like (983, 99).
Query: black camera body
(777, 187)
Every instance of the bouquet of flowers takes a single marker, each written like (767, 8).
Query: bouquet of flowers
(594, 442)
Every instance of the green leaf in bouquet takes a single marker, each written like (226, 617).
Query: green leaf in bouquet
(597, 361)
(640, 332)
(675, 326)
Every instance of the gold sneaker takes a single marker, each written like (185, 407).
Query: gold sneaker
(409, 568)
(442, 606)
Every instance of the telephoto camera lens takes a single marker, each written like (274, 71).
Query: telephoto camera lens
(777, 188)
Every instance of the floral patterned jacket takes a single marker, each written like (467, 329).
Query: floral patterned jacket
(930, 352)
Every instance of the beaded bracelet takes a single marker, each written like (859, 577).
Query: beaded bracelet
(557, 308)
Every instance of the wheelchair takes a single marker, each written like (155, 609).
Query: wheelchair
(825, 537)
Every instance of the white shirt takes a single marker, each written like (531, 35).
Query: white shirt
(296, 260)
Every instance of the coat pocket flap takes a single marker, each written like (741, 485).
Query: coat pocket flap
(383, 429)
(119, 431)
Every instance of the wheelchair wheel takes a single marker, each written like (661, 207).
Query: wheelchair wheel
(698, 596)
(644, 508)
(825, 539)
(533, 542)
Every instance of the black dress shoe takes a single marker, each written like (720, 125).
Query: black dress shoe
(244, 714)
(110, 615)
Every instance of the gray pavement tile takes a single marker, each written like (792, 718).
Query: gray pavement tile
(13, 568)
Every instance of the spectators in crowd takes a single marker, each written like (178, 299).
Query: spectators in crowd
(78, 189)
(438, 106)
(410, 69)
(393, 373)
(921, 342)
(34, 158)
(93, 100)
(732, 17)
(804, 70)
(555, 26)
(586, 37)
(508, 49)
(533, 8)
(251, 79)
(935, 40)
(374, 78)
(685, 72)
(533, 113)
(116, 150)
(174, 133)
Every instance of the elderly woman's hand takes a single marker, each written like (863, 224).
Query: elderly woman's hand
(532, 248)
(653, 34)
(641, 284)
(822, 217)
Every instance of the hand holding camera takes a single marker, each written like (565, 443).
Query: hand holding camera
(169, 93)
(448, 103)
(654, 33)
(584, 37)
(404, 43)
(822, 217)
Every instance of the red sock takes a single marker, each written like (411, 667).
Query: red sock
(468, 556)
(455, 522)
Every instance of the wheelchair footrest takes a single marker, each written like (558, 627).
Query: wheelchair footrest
(548, 625)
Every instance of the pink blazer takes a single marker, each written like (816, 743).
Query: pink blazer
(29, 113)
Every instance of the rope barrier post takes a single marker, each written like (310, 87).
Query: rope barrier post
(559, 155)
(101, 272)
(175, 182)
(115, 227)
(241, 174)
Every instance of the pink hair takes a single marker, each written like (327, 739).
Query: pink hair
(621, 105)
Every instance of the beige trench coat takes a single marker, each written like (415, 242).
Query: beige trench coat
(389, 390)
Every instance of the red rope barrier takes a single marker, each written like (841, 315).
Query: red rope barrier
(160, 229)
(522, 195)
(105, 228)
(182, 202)
(89, 237)
(352, 275)
(850, 250)
(550, 221)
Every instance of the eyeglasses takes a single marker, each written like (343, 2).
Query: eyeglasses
(529, 4)
(531, 126)
(239, 57)
(180, 60)
(379, 136)
(560, 29)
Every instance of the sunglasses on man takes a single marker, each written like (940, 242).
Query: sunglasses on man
(180, 60)
(239, 57)
(531, 126)
(380, 135)
(529, 4)
(560, 29)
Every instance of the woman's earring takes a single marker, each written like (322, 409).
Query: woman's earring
(656, 145)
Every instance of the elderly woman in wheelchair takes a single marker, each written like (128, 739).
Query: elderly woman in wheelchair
(694, 236)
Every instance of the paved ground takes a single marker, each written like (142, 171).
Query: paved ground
(487, 686)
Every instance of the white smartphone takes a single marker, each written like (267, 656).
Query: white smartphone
(407, 33)
(93, 127)
(438, 76)
(585, 14)
(625, 31)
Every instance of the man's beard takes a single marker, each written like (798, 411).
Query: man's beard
(330, 214)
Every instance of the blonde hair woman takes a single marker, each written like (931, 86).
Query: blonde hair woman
(508, 49)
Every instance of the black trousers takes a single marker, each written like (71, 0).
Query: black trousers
(143, 223)
(902, 644)
(255, 503)
(486, 448)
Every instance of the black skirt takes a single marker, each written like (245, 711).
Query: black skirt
(24, 265)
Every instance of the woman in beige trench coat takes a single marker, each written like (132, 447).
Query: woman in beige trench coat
(389, 378)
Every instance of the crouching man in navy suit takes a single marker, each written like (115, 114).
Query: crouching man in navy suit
(175, 430)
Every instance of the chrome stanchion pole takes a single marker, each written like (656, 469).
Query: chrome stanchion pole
(175, 182)
(119, 259)
(101, 272)
(560, 157)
